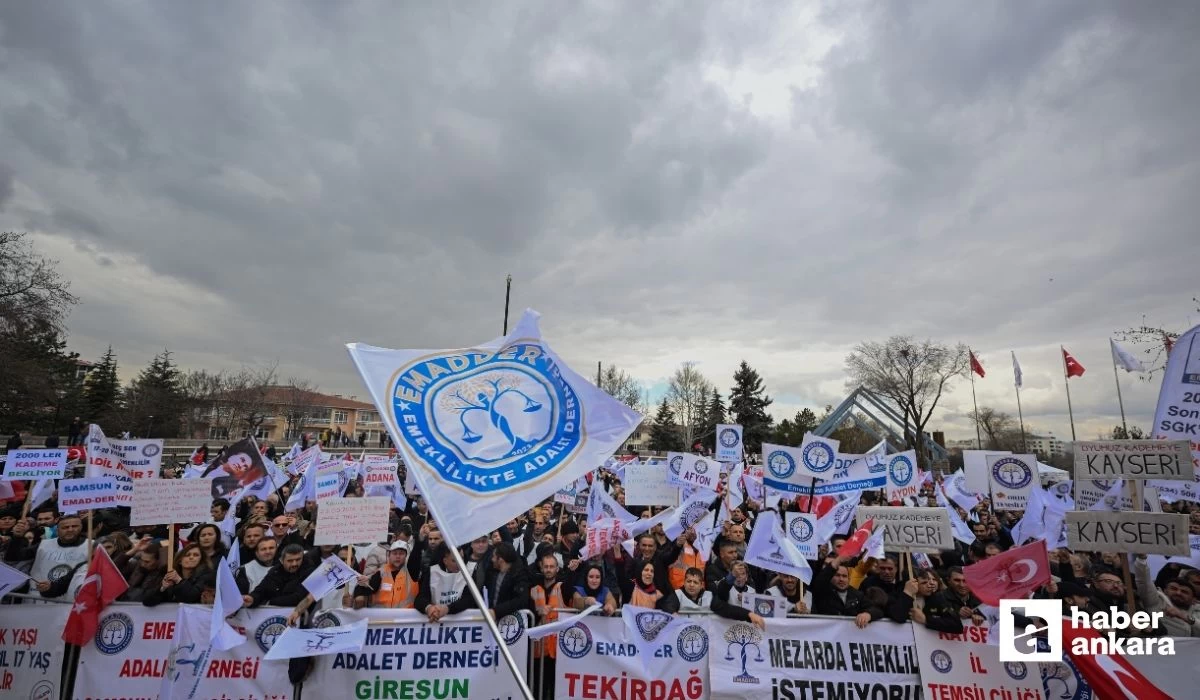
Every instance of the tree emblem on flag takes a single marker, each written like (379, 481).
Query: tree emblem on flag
(649, 624)
(780, 464)
(1011, 473)
(818, 456)
(729, 437)
(488, 422)
(743, 636)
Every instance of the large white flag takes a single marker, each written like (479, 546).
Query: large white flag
(492, 430)
(188, 655)
(228, 601)
(1016, 371)
(769, 548)
(11, 579)
(295, 642)
(1124, 359)
(689, 513)
(602, 505)
(792, 469)
(331, 574)
(648, 628)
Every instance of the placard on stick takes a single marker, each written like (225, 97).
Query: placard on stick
(32, 465)
(1134, 459)
(1137, 533)
(348, 520)
(911, 529)
(166, 501)
(646, 485)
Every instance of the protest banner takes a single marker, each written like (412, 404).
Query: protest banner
(695, 470)
(1168, 460)
(966, 666)
(597, 653)
(104, 460)
(902, 473)
(792, 469)
(812, 658)
(646, 485)
(1012, 477)
(353, 520)
(296, 642)
(407, 657)
(128, 656)
(801, 530)
(379, 470)
(1128, 532)
(239, 468)
(31, 651)
(729, 443)
(166, 501)
(75, 495)
(142, 459)
(1089, 492)
(911, 529)
(329, 482)
(31, 465)
(975, 469)
(1177, 416)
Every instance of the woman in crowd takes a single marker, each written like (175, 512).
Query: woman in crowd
(144, 574)
(590, 590)
(191, 581)
(208, 538)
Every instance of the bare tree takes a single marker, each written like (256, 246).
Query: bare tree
(1158, 340)
(31, 290)
(622, 387)
(296, 401)
(200, 389)
(687, 395)
(911, 375)
(999, 429)
(243, 406)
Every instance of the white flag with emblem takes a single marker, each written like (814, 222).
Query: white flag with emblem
(1016, 371)
(792, 469)
(1124, 359)
(492, 430)
(648, 630)
(769, 548)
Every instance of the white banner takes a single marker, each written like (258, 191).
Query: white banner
(1012, 477)
(596, 659)
(104, 460)
(791, 469)
(380, 471)
(1178, 414)
(1134, 459)
(142, 459)
(166, 501)
(801, 530)
(695, 470)
(646, 485)
(902, 472)
(490, 431)
(911, 529)
(347, 520)
(1089, 492)
(812, 658)
(729, 443)
(406, 657)
(128, 656)
(329, 481)
(295, 642)
(31, 650)
(965, 665)
(1138, 533)
(75, 495)
(31, 465)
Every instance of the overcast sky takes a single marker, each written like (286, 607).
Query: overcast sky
(258, 182)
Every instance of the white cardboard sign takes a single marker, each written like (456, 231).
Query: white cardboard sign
(1137, 533)
(166, 501)
(911, 529)
(646, 485)
(32, 465)
(343, 520)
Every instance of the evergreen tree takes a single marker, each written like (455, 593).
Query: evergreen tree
(664, 434)
(748, 404)
(101, 390)
(714, 415)
(37, 377)
(790, 431)
(155, 402)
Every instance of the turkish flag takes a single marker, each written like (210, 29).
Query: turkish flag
(1108, 675)
(854, 545)
(103, 585)
(1013, 574)
(975, 366)
(1074, 369)
(820, 504)
(1168, 343)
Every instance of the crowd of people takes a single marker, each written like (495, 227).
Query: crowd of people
(534, 563)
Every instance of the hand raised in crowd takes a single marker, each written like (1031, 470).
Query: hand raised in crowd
(171, 579)
(800, 608)
(574, 564)
(861, 620)
(43, 586)
(20, 528)
(911, 587)
(294, 618)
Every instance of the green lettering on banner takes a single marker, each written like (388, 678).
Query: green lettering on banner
(412, 689)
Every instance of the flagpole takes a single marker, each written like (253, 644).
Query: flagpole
(507, 296)
(448, 538)
(1120, 401)
(1021, 418)
(1067, 378)
(978, 439)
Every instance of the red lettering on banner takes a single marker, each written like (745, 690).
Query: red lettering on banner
(143, 668)
(158, 630)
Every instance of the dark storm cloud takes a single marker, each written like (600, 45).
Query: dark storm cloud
(309, 174)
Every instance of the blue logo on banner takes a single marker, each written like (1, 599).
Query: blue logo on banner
(676, 464)
(692, 643)
(818, 457)
(801, 530)
(489, 422)
(269, 631)
(511, 628)
(941, 661)
(1012, 473)
(1016, 670)
(729, 437)
(576, 641)
(901, 470)
(114, 633)
(780, 464)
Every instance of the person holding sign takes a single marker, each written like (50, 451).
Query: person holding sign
(191, 578)
(832, 595)
(788, 587)
(53, 558)
(921, 602)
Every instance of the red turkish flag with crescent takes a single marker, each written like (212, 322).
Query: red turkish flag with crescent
(852, 546)
(1074, 369)
(1108, 675)
(103, 584)
(1014, 574)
